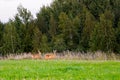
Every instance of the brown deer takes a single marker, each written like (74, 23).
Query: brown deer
(37, 55)
(50, 55)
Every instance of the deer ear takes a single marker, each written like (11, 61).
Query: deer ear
(39, 52)
(54, 51)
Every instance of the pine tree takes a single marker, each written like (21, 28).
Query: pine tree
(103, 35)
(24, 24)
(117, 47)
(1, 37)
(59, 43)
(10, 38)
(68, 30)
(44, 47)
(87, 30)
(36, 39)
(53, 27)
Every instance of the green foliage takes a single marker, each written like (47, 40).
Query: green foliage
(103, 36)
(45, 46)
(59, 43)
(10, 38)
(36, 39)
(43, 18)
(24, 14)
(89, 24)
(24, 24)
(52, 27)
(64, 25)
(68, 30)
(1, 36)
(117, 47)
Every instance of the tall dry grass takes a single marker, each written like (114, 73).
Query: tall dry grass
(17, 56)
(88, 56)
(67, 55)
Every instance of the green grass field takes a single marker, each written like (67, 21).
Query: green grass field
(59, 70)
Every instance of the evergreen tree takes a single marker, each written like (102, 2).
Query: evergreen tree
(36, 42)
(103, 35)
(77, 32)
(10, 39)
(1, 37)
(43, 18)
(117, 47)
(66, 24)
(59, 43)
(24, 14)
(53, 27)
(87, 30)
(45, 46)
(67, 29)
(24, 24)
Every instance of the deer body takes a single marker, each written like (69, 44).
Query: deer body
(37, 55)
(50, 55)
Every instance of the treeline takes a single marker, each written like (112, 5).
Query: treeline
(76, 25)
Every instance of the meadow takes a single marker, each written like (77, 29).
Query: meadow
(59, 70)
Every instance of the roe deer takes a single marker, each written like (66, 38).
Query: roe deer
(50, 55)
(37, 55)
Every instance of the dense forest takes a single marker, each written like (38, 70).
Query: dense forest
(75, 25)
